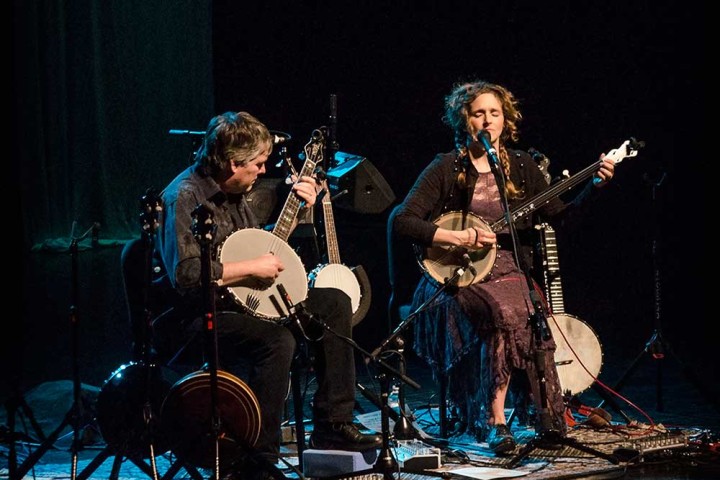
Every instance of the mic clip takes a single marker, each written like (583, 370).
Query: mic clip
(468, 264)
(298, 314)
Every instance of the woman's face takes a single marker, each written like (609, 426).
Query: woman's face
(486, 113)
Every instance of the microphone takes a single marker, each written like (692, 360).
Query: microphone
(468, 264)
(192, 133)
(483, 137)
(285, 297)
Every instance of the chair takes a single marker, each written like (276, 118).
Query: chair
(135, 276)
(404, 274)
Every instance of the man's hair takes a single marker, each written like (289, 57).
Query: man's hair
(233, 137)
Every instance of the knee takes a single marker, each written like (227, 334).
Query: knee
(334, 303)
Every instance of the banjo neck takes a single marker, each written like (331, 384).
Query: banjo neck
(288, 214)
(551, 272)
(629, 148)
(333, 250)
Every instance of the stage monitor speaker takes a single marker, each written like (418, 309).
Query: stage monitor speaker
(367, 190)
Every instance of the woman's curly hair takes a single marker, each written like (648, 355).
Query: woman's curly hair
(457, 117)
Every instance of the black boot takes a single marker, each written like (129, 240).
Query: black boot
(500, 439)
(342, 436)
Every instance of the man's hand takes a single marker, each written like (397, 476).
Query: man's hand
(305, 188)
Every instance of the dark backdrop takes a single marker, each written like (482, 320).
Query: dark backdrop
(96, 87)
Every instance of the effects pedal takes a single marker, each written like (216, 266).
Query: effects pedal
(415, 456)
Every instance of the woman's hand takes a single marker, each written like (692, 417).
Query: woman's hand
(605, 173)
(475, 238)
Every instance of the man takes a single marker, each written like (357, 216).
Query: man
(232, 156)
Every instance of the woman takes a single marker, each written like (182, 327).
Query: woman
(480, 334)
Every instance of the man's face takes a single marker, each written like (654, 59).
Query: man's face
(244, 176)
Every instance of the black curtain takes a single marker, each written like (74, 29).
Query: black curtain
(96, 87)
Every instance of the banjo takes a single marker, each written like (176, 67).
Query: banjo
(269, 302)
(335, 274)
(441, 262)
(578, 356)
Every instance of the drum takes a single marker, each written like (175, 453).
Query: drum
(121, 410)
(187, 418)
(578, 357)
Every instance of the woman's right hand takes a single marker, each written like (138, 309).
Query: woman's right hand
(475, 238)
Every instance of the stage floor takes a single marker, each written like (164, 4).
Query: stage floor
(679, 442)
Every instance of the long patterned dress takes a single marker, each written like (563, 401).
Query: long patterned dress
(482, 333)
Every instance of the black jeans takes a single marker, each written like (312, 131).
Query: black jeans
(267, 349)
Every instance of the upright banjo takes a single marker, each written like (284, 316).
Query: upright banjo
(249, 243)
(335, 274)
(578, 356)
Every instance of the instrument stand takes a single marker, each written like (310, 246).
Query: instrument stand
(657, 346)
(150, 208)
(72, 417)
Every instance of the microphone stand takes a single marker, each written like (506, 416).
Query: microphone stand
(150, 207)
(386, 463)
(545, 433)
(332, 144)
(657, 345)
(203, 218)
(72, 417)
(204, 231)
(395, 337)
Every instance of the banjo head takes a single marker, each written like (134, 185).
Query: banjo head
(187, 417)
(442, 262)
(336, 275)
(266, 303)
(578, 356)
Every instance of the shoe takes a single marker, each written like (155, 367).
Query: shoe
(500, 440)
(342, 436)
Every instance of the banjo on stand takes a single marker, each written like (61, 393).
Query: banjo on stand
(441, 262)
(335, 274)
(578, 356)
(249, 243)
